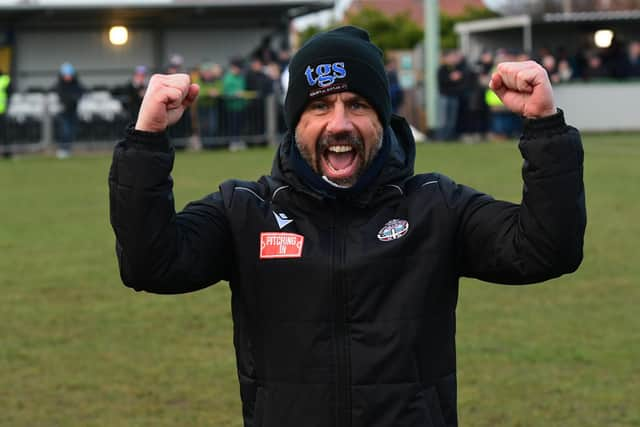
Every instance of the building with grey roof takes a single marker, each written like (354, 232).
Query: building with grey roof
(36, 36)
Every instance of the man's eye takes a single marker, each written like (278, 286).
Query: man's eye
(320, 106)
(357, 105)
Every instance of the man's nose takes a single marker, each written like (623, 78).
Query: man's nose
(340, 121)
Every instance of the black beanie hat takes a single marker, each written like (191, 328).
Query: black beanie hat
(340, 60)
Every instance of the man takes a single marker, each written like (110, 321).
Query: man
(135, 90)
(210, 83)
(234, 87)
(5, 85)
(454, 80)
(69, 91)
(634, 59)
(343, 264)
(395, 89)
(258, 86)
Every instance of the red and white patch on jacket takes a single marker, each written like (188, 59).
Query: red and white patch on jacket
(281, 245)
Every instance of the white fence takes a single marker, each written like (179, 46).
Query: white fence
(600, 106)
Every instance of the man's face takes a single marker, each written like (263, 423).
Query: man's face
(339, 135)
(256, 65)
(486, 57)
(139, 78)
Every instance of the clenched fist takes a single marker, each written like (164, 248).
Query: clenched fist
(524, 88)
(165, 100)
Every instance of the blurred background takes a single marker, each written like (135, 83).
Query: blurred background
(77, 348)
(74, 72)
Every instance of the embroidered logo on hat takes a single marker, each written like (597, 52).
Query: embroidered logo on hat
(325, 74)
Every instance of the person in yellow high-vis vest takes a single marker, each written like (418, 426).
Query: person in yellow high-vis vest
(5, 82)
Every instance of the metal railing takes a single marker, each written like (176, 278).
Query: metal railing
(33, 122)
(220, 121)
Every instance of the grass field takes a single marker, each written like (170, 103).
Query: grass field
(77, 348)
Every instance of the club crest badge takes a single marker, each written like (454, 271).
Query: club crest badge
(281, 245)
(392, 230)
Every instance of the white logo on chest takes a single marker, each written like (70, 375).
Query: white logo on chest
(282, 220)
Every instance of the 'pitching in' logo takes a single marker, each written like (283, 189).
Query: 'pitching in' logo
(325, 74)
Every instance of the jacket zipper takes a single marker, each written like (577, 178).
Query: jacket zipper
(341, 332)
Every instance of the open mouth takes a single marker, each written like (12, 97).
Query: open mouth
(340, 162)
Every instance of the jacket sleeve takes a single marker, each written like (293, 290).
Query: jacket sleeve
(158, 250)
(542, 237)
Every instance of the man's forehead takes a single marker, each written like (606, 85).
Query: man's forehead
(345, 96)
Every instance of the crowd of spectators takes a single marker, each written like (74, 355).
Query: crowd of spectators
(469, 110)
(231, 109)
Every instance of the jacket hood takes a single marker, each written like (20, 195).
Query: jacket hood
(399, 153)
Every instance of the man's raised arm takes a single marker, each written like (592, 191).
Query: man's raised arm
(542, 237)
(158, 250)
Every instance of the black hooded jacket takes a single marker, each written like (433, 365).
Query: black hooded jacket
(344, 304)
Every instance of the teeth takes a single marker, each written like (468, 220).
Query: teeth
(340, 148)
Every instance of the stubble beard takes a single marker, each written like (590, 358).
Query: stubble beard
(314, 159)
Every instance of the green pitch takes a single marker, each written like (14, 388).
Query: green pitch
(77, 348)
